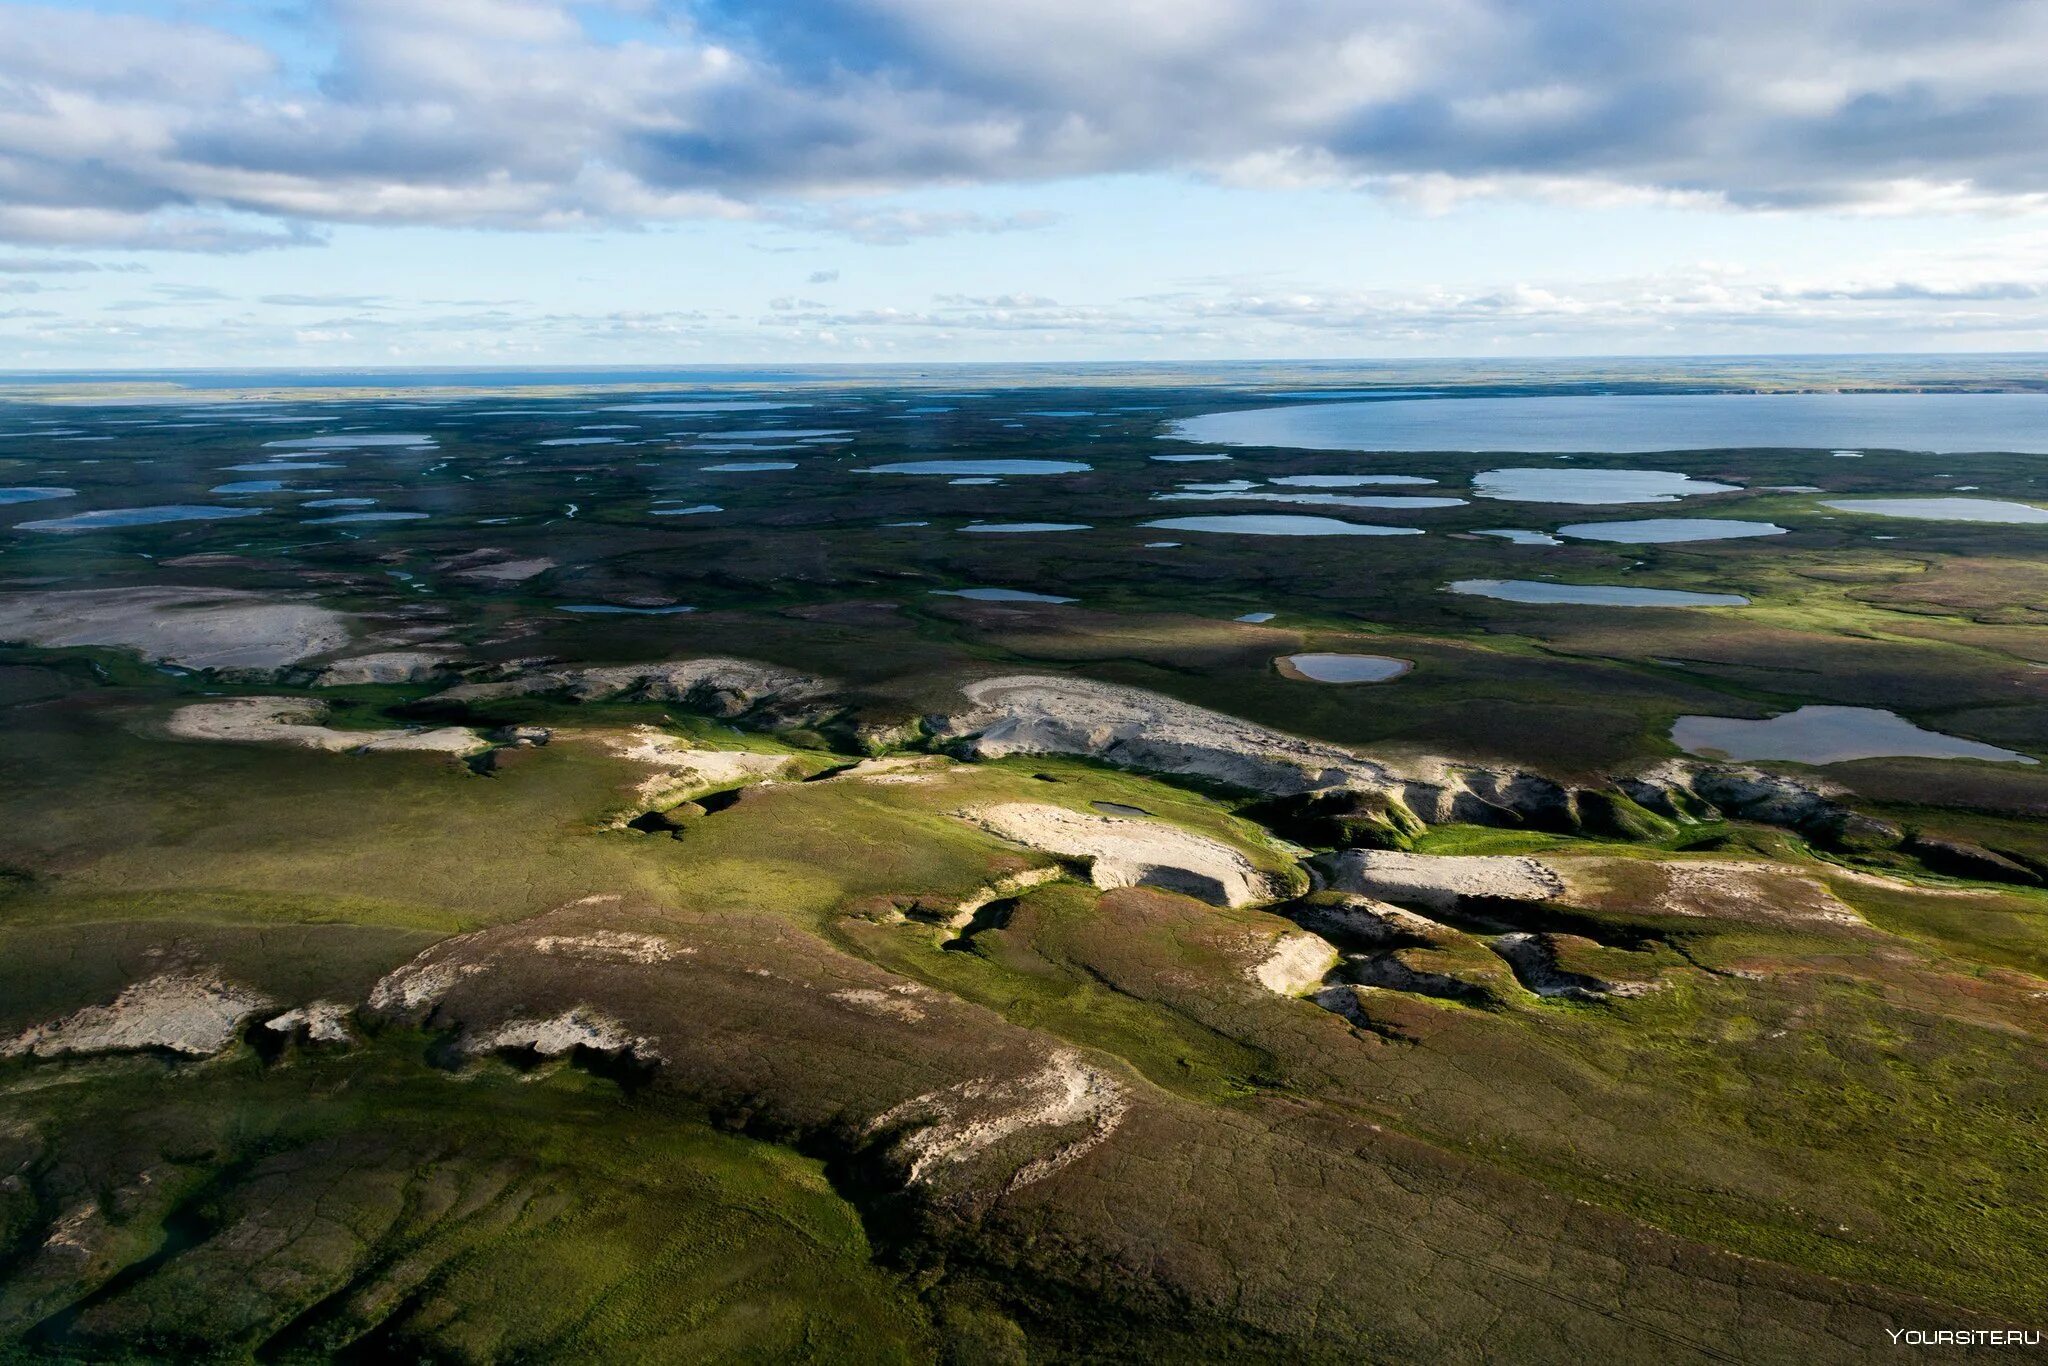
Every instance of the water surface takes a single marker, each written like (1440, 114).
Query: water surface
(1520, 536)
(1277, 524)
(34, 494)
(995, 466)
(1668, 530)
(606, 609)
(1944, 509)
(1329, 668)
(1941, 423)
(1591, 487)
(706, 406)
(1342, 481)
(1828, 735)
(1533, 593)
(368, 517)
(1327, 500)
(1109, 808)
(998, 595)
(123, 517)
(1013, 528)
(347, 441)
(809, 435)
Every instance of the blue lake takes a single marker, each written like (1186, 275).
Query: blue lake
(1944, 509)
(980, 467)
(606, 609)
(705, 406)
(1277, 524)
(350, 441)
(368, 517)
(1330, 668)
(120, 517)
(1591, 487)
(1668, 530)
(1828, 735)
(1328, 500)
(997, 595)
(1533, 593)
(1941, 423)
(1345, 481)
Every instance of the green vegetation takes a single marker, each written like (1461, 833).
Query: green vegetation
(815, 1067)
(367, 1200)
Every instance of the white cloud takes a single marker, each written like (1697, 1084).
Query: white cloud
(118, 130)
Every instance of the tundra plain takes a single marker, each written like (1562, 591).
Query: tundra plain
(892, 899)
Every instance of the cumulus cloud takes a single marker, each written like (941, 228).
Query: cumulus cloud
(1988, 295)
(1993, 293)
(121, 130)
(897, 227)
(51, 265)
(323, 300)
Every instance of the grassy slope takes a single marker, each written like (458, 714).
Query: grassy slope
(1855, 1112)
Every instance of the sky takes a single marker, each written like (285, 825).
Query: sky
(626, 182)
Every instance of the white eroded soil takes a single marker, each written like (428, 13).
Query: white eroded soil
(954, 1125)
(1440, 881)
(322, 1021)
(684, 770)
(197, 628)
(556, 1035)
(287, 721)
(1297, 963)
(193, 1013)
(1122, 852)
(1043, 714)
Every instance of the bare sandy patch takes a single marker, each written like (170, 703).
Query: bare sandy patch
(192, 1013)
(683, 769)
(723, 687)
(557, 1035)
(422, 982)
(896, 769)
(610, 946)
(1123, 852)
(1296, 964)
(321, 1022)
(1717, 889)
(1133, 728)
(385, 666)
(495, 566)
(1439, 882)
(196, 628)
(953, 1126)
(289, 721)
(894, 1003)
